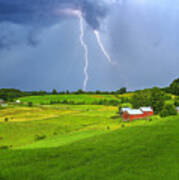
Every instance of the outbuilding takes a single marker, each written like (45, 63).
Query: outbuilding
(133, 114)
(1, 101)
(18, 101)
(148, 111)
(178, 109)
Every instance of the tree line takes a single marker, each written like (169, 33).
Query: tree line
(145, 97)
(11, 94)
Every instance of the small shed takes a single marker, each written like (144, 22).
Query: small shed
(133, 114)
(1, 101)
(178, 109)
(18, 101)
(148, 111)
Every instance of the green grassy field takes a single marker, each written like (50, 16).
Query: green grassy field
(77, 142)
(71, 99)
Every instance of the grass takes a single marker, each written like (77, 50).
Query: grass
(70, 99)
(86, 142)
(24, 123)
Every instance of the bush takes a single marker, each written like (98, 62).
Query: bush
(6, 119)
(55, 133)
(115, 117)
(38, 137)
(168, 110)
(176, 102)
(30, 104)
(4, 147)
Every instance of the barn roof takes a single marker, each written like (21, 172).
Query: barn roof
(134, 112)
(146, 109)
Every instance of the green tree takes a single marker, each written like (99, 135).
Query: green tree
(54, 91)
(80, 91)
(176, 101)
(10, 94)
(98, 92)
(173, 88)
(152, 97)
(141, 99)
(67, 92)
(168, 110)
(157, 99)
(123, 90)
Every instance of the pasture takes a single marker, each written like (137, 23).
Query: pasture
(92, 99)
(25, 123)
(85, 142)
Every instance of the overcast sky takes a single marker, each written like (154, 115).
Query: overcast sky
(40, 47)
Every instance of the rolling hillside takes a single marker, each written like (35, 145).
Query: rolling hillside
(85, 142)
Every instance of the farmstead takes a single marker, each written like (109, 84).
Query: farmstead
(131, 114)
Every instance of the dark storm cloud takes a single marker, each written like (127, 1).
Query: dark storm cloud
(30, 12)
(43, 13)
(142, 35)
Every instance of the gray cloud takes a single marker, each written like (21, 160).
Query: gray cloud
(145, 41)
(41, 13)
(143, 37)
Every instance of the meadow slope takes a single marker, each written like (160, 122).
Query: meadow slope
(86, 142)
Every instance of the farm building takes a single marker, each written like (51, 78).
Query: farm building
(1, 101)
(18, 101)
(148, 111)
(178, 109)
(133, 114)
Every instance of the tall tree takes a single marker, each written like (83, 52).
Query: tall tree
(54, 91)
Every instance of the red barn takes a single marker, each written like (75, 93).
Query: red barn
(133, 114)
(148, 111)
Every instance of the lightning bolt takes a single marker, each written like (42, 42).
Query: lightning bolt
(84, 45)
(78, 13)
(97, 34)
